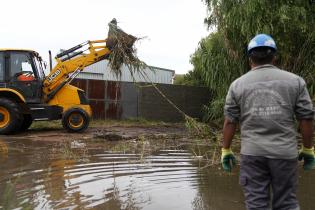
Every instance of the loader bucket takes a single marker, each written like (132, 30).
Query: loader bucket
(122, 51)
(117, 36)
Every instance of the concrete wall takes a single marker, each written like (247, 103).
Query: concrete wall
(188, 99)
(123, 100)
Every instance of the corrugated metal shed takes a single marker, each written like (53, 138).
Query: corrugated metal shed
(101, 71)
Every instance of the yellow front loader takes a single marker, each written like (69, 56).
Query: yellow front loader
(27, 95)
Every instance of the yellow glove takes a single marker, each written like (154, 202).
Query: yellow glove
(227, 159)
(309, 158)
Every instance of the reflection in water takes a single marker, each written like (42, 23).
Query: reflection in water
(36, 177)
(218, 191)
(3, 151)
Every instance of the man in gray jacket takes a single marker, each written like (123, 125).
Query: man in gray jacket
(266, 101)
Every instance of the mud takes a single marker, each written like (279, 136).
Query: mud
(106, 132)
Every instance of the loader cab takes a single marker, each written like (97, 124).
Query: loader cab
(22, 70)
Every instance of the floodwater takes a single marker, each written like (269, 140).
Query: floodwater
(122, 176)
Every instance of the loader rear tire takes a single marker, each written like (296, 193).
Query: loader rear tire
(75, 120)
(10, 116)
(27, 122)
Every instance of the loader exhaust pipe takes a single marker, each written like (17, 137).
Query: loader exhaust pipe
(50, 61)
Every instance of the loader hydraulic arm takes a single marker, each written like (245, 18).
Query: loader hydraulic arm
(71, 62)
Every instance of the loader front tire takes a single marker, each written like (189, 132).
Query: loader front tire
(75, 120)
(10, 116)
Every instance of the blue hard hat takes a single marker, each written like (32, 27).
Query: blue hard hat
(262, 40)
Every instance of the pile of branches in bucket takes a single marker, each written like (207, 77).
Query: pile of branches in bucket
(123, 51)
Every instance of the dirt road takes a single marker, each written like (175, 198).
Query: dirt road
(53, 132)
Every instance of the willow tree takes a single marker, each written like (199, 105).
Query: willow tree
(221, 57)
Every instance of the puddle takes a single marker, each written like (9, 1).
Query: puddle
(119, 175)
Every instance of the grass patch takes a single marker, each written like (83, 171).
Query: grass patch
(46, 125)
(130, 122)
(56, 124)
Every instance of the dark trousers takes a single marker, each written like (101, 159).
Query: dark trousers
(263, 178)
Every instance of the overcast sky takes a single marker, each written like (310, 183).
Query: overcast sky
(173, 27)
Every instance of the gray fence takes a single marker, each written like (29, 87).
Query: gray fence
(123, 100)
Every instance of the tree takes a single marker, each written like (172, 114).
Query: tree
(192, 78)
(221, 57)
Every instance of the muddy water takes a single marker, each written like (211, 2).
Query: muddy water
(97, 175)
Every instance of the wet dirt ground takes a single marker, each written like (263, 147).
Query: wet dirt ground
(106, 132)
(123, 167)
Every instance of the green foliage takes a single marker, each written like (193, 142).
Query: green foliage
(212, 59)
(179, 79)
(221, 57)
(192, 78)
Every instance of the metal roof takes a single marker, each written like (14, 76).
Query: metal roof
(102, 71)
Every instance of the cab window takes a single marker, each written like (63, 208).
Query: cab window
(2, 62)
(39, 65)
(19, 63)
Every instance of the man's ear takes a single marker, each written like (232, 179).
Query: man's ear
(274, 59)
(250, 62)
